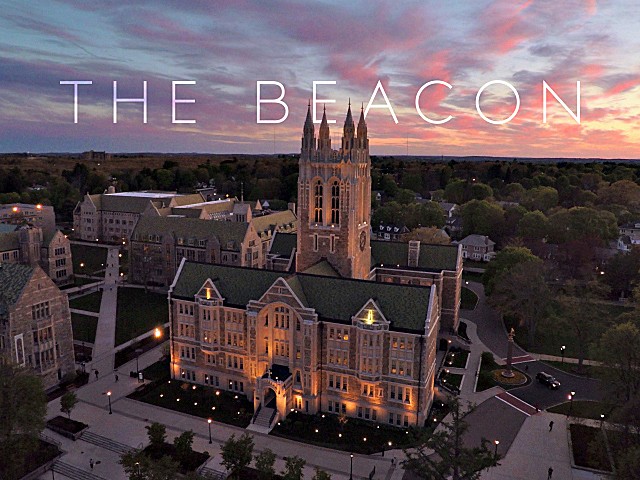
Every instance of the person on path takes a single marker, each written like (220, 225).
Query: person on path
(549, 473)
(116, 378)
(91, 463)
(551, 425)
(97, 373)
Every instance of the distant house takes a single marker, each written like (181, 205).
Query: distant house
(390, 232)
(624, 243)
(632, 230)
(449, 208)
(478, 247)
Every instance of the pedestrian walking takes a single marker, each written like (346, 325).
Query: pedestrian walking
(116, 378)
(551, 425)
(97, 374)
(549, 473)
(91, 464)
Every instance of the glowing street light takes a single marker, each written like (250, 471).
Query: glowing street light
(109, 397)
(562, 349)
(209, 422)
(495, 453)
(351, 469)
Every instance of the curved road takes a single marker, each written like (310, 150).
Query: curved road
(493, 334)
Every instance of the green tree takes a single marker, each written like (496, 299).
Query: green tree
(405, 196)
(264, 462)
(455, 191)
(481, 217)
(541, 198)
(521, 293)
(237, 453)
(618, 351)
(68, 401)
(480, 191)
(293, 468)
(321, 475)
(429, 235)
(139, 466)
(184, 445)
(533, 225)
(578, 315)
(443, 455)
(389, 185)
(504, 260)
(23, 406)
(157, 434)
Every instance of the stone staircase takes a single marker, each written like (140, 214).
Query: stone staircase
(264, 417)
(74, 473)
(211, 474)
(106, 443)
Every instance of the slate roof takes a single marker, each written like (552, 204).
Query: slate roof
(7, 228)
(14, 277)
(405, 306)
(475, 240)
(432, 257)
(195, 228)
(324, 268)
(9, 241)
(283, 244)
(272, 221)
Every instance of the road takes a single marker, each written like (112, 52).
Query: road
(493, 334)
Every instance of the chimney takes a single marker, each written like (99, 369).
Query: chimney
(414, 253)
(292, 207)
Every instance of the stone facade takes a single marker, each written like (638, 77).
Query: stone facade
(35, 323)
(334, 196)
(30, 246)
(374, 360)
(42, 216)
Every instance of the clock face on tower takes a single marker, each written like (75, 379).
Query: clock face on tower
(363, 241)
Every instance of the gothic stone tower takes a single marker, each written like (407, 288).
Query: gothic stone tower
(334, 197)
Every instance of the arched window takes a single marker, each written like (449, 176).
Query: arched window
(335, 202)
(317, 202)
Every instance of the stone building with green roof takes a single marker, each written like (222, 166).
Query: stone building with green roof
(336, 322)
(35, 323)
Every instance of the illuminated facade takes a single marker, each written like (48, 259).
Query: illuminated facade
(352, 330)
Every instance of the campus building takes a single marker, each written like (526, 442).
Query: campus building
(39, 215)
(32, 246)
(340, 323)
(35, 323)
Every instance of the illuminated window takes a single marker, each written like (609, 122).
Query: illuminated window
(317, 202)
(335, 202)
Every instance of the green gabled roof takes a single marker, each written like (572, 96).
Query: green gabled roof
(14, 277)
(335, 299)
(236, 284)
(432, 257)
(9, 241)
(324, 268)
(284, 243)
(405, 306)
(195, 228)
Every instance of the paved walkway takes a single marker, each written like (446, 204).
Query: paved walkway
(126, 426)
(103, 352)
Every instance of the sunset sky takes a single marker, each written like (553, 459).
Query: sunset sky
(225, 46)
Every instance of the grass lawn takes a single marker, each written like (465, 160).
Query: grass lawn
(42, 453)
(197, 400)
(451, 380)
(550, 337)
(139, 312)
(584, 409)
(485, 379)
(87, 259)
(588, 445)
(344, 433)
(84, 327)
(157, 371)
(456, 359)
(469, 300)
(90, 302)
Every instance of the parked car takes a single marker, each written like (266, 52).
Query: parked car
(548, 380)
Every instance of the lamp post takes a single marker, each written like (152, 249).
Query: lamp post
(109, 397)
(562, 348)
(495, 452)
(209, 422)
(351, 469)
(138, 465)
(573, 394)
(138, 352)
(601, 420)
